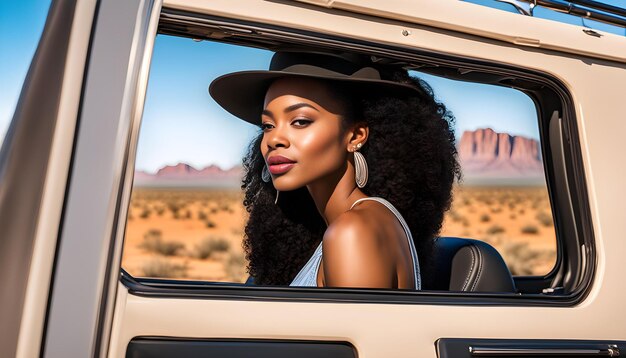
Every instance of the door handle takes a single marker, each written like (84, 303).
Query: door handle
(611, 351)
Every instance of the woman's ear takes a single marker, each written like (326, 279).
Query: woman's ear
(358, 136)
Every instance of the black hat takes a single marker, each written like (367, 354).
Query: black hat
(242, 93)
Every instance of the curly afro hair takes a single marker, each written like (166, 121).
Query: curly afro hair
(412, 160)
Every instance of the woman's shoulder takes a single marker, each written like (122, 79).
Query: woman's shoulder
(355, 253)
(351, 224)
(365, 223)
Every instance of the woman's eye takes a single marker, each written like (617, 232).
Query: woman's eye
(265, 126)
(301, 122)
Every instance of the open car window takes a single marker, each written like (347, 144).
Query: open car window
(186, 218)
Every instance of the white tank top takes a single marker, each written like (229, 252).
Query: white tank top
(308, 274)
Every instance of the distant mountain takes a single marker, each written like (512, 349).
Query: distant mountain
(183, 174)
(489, 156)
(486, 156)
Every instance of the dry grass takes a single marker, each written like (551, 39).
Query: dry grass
(497, 216)
(153, 242)
(210, 246)
(180, 222)
(164, 269)
(235, 267)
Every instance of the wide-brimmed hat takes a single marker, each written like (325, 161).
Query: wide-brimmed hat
(243, 93)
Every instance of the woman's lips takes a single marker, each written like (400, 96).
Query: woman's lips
(280, 168)
(279, 164)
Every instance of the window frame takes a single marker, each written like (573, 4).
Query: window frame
(567, 188)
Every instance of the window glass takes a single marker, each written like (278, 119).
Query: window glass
(186, 216)
(21, 24)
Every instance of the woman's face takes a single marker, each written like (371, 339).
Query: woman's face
(303, 138)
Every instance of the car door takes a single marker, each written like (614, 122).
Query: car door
(35, 161)
(76, 301)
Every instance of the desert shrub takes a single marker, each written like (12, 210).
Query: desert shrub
(145, 213)
(536, 203)
(495, 229)
(153, 242)
(174, 208)
(522, 260)
(188, 214)
(153, 232)
(544, 218)
(485, 218)
(210, 224)
(455, 216)
(202, 215)
(530, 229)
(236, 268)
(496, 210)
(512, 216)
(160, 210)
(210, 245)
(164, 268)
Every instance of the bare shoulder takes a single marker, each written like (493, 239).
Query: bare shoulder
(351, 225)
(354, 254)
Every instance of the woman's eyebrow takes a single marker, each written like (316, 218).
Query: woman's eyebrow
(267, 113)
(293, 107)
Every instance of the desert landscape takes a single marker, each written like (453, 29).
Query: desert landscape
(187, 223)
(185, 234)
(197, 234)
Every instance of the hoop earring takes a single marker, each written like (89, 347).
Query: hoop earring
(276, 200)
(360, 166)
(265, 174)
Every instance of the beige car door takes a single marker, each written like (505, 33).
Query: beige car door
(566, 71)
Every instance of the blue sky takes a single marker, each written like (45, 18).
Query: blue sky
(181, 121)
(179, 110)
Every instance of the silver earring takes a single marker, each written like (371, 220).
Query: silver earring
(276, 200)
(360, 166)
(265, 174)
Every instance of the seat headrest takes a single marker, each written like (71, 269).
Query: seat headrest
(468, 265)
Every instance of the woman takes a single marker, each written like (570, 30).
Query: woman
(349, 179)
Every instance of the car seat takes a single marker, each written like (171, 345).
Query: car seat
(468, 265)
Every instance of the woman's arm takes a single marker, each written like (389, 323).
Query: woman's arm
(354, 255)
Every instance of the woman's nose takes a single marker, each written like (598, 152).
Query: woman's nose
(277, 138)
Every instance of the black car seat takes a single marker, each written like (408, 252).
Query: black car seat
(467, 265)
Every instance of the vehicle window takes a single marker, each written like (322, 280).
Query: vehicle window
(502, 198)
(21, 24)
(186, 217)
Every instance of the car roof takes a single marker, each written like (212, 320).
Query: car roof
(452, 15)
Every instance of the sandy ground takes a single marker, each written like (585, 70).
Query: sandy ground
(223, 218)
(516, 221)
(197, 234)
